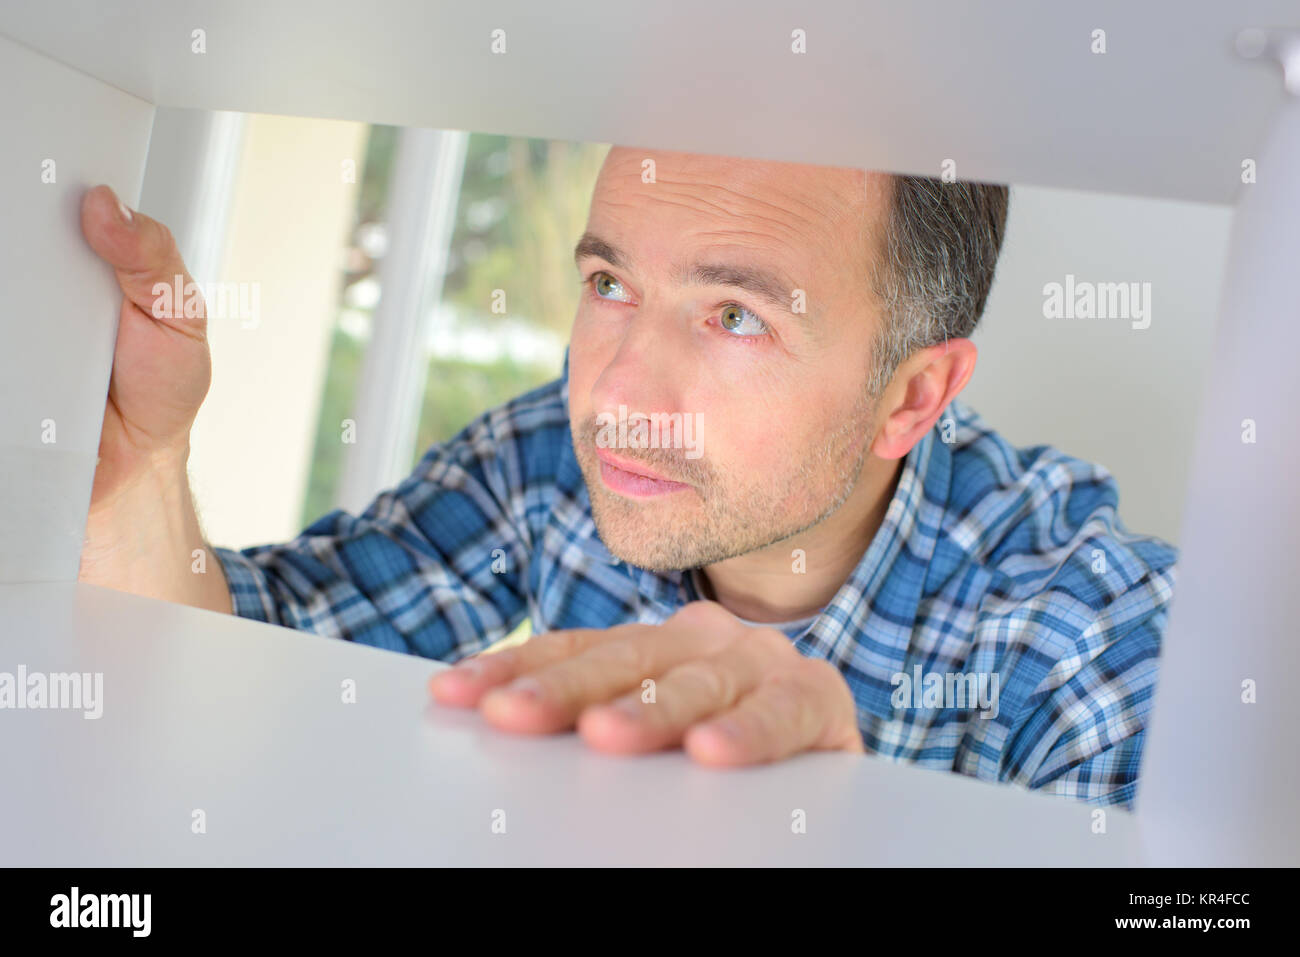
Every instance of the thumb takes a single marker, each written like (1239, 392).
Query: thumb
(143, 254)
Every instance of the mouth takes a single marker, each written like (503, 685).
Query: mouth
(632, 480)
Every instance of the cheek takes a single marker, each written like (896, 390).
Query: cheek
(770, 431)
(750, 441)
(588, 356)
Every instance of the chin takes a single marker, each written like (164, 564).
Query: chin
(677, 544)
(634, 538)
(646, 537)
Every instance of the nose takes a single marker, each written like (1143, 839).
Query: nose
(647, 371)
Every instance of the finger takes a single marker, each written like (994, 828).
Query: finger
(143, 253)
(550, 698)
(789, 713)
(462, 685)
(691, 692)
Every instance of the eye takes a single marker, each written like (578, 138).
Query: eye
(741, 322)
(606, 286)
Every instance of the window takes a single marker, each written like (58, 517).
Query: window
(500, 321)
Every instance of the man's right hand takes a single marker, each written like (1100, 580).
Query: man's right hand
(142, 530)
(161, 366)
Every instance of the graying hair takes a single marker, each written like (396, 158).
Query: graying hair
(941, 247)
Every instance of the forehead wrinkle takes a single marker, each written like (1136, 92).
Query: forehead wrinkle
(738, 235)
(844, 183)
(781, 229)
(813, 212)
(700, 206)
(769, 212)
(796, 183)
(804, 226)
(807, 212)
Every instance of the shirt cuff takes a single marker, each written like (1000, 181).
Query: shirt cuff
(249, 595)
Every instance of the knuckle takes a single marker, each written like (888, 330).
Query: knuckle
(627, 654)
(559, 643)
(166, 238)
(714, 682)
(159, 251)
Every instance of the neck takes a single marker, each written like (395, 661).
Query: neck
(768, 585)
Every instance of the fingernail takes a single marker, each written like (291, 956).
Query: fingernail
(529, 688)
(123, 211)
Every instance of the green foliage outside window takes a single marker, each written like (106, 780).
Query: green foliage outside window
(523, 204)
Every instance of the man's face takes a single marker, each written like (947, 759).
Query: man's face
(758, 412)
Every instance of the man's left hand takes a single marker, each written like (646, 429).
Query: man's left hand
(728, 693)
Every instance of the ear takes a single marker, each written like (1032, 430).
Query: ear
(918, 393)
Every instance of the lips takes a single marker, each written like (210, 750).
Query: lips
(633, 468)
(631, 480)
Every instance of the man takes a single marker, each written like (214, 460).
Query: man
(752, 517)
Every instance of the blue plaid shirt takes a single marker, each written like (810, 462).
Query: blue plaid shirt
(1001, 563)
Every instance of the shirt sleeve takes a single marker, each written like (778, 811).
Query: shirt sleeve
(1082, 733)
(437, 566)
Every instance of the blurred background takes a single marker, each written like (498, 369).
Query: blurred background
(407, 281)
(410, 279)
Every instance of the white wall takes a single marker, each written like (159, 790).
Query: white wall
(1100, 389)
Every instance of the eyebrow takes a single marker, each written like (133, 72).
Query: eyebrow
(768, 286)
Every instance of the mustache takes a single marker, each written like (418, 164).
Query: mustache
(671, 463)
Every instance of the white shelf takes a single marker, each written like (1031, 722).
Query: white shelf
(246, 722)
(1008, 88)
